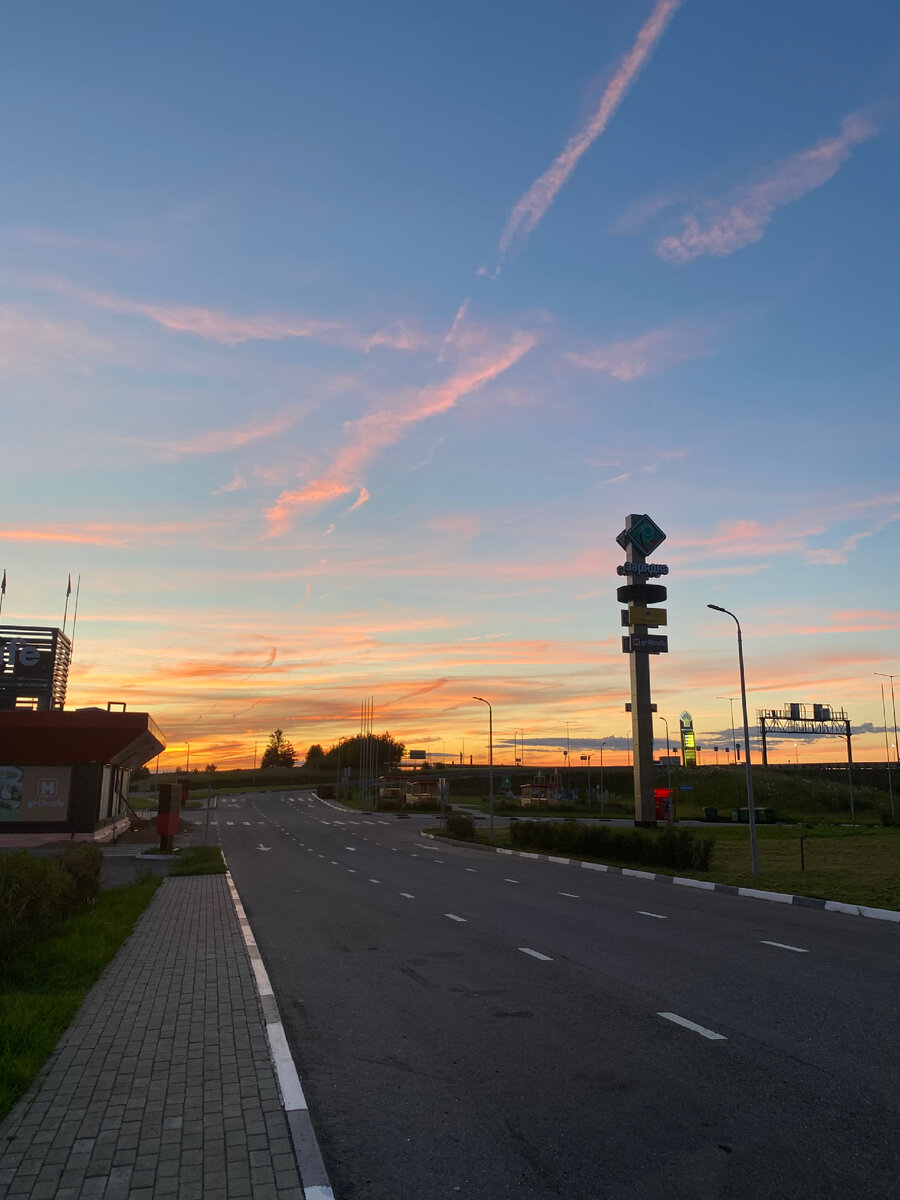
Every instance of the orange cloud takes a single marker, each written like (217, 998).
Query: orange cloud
(218, 441)
(105, 534)
(384, 427)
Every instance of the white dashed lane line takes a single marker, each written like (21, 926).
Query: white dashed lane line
(536, 954)
(658, 916)
(454, 917)
(511, 881)
(407, 896)
(374, 881)
(784, 946)
(471, 870)
(701, 1029)
(571, 895)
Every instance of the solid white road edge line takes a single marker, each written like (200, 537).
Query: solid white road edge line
(783, 946)
(535, 954)
(306, 1146)
(701, 1029)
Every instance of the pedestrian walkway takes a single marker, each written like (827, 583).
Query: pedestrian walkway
(163, 1085)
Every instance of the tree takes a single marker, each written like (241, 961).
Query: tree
(210, 768)
(279, 752)
(315, 756)
(385, 750)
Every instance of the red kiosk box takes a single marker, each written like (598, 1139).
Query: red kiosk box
(665, 805)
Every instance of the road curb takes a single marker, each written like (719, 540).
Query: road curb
(307, 1155)
(852, 910)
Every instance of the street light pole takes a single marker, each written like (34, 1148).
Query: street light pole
(730, 700)
(887, 754)
(587, 758)
(668, 763)
(490, 755)
(751, 810)
(893, 709)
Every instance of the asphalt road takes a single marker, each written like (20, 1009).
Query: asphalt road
(479, 1026)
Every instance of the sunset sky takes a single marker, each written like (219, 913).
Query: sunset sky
(337, 341)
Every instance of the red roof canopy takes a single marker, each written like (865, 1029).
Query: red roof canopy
(84, 735)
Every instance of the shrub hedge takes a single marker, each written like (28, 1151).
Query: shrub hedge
(37, 893)
(677, 849)
(460, 826)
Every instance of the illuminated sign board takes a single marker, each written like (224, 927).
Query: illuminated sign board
(645, 535)
(645, 644)
(645, 569)
(688, 743)
(639, 614)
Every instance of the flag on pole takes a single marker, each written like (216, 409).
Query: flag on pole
(3, 584)
(69, 587)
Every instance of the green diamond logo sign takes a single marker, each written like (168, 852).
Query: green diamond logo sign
(645, 535)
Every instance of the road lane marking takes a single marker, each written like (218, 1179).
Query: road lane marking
(438, 860)
(471, 870)
(353, 848)
(658, 916)
(414, 856)
(229, 822)
(701, 1029)
(784, 946)
(335, 863)
(384, 822)
(408, 895)
(351, 870)
(374, 881)
(571, 895)
(245, 822)
(535, 954)
(454, 917)
(511, 881)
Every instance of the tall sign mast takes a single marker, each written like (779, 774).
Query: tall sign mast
(640, 537)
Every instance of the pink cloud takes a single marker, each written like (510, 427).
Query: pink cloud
(105, 534)
(237, 484)
(230, 329)
(378, 430)
(652, 351)
(459, 525)
(28, 345)
(218, 441)
(727, 225)
(532, 206)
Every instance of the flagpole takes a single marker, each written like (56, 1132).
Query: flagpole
(66, 609)
(2, 590)
(75, 618)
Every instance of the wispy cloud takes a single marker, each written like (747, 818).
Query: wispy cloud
(652, 351)
(30, 344)
(219, 441)
(725, 225)
(232, 329)
(237, 484)
(532, 206)
(378, 430)
(458, 525)
(105, 534)
(454, 329)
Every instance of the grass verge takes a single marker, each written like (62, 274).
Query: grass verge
(198, 860)
(42, 989)
(857, 865)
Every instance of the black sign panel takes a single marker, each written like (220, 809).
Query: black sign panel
(641, 593)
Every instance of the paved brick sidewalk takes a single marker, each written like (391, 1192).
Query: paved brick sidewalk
(163, 1085)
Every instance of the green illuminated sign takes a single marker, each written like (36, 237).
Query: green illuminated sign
(645, 535)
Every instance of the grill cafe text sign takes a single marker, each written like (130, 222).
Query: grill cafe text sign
(34, 793)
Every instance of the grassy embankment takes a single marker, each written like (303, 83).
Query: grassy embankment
(43, 987)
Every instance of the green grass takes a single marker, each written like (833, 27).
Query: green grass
(42, 990)
(855, 865)
(198, 860)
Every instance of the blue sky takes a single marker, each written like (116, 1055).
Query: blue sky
(336, 341)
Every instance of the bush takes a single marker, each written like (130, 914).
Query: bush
(460, 826)
(82, 864)
(677, 849)
(35, 894)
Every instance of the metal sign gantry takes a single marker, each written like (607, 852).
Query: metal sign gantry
(805, 720)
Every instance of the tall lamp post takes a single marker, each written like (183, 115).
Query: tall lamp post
(893, 709)
(490, 755)
(602, 744)
(337, 786)
(668, 764)
(887, 754)
(587, 758)
(730, 700)
(751, 810)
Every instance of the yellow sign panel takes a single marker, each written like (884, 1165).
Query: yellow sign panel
(640, 615)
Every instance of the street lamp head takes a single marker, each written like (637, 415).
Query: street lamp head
(717, 607)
